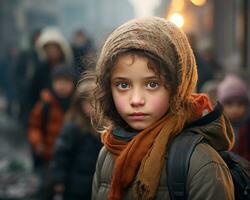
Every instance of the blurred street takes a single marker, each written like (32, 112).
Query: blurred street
(17, 179)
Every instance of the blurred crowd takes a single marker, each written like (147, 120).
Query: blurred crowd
(40, 87)
(46, 97)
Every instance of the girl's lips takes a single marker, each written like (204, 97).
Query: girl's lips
(137, 116)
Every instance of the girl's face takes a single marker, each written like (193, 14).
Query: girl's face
(139, 94)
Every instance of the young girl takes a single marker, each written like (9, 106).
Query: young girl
(77, 148)
(146, 74)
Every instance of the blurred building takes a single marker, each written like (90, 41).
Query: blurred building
(97, 18)
(246, 42)
(18, 18)
(220, 25)
(9, 33)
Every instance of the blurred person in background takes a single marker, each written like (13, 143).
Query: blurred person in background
(46, 120)
(83, 50)
(233, 94)
(27, 64)
(203, 66)
(53, 50)
(77, 149)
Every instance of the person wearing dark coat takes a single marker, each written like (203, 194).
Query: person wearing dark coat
(53, 50)
(76, 150)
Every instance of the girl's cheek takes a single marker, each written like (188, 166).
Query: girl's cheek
(160, 105)
(120, 104)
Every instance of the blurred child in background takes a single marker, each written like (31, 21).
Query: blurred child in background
(233, 94)
(47, 117)
(77, 148)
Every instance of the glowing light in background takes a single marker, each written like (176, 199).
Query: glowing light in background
(198, 2)
(177, 19)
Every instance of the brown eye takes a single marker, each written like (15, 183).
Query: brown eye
(122, 85)
(152, 84)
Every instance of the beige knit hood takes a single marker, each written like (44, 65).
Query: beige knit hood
(53, 34)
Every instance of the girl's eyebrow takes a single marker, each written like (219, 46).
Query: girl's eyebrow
(151, 77)
(120, 78)
(146, 77)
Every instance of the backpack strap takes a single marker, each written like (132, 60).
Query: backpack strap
(180, 152)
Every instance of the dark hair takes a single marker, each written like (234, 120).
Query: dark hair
(105, 111)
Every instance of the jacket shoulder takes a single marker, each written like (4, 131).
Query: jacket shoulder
(209, 174)
(204, 154)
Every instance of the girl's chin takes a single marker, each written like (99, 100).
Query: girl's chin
(138, 127)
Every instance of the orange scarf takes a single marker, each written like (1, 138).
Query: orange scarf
(146, 149)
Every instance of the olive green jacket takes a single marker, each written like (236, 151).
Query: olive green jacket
(208, 176)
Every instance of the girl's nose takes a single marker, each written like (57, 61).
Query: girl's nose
(137, 99)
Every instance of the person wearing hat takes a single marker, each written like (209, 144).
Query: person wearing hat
(146, 76)
(47, 116)
(233, 94)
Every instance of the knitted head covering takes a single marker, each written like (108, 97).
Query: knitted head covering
(162, 38)
(53, 35)
(232, 88)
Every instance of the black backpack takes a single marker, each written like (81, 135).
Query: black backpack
(178, 166)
